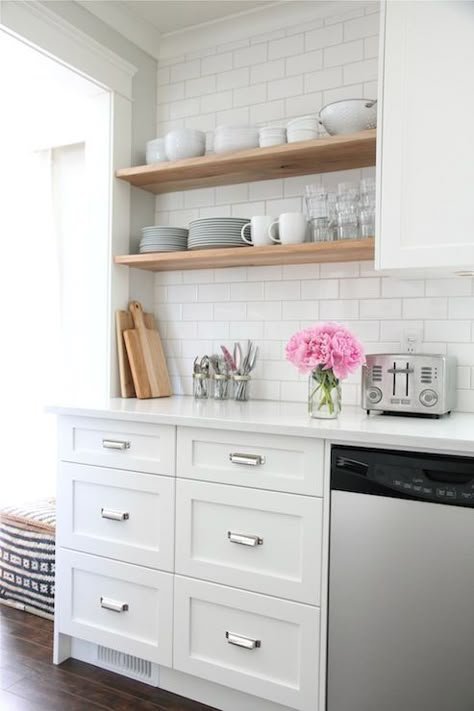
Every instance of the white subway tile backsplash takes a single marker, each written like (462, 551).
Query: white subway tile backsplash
(248, 56)
(306, 62)
(336, 310)
(217, 63)
(344, 53)
(185, 70)
(451, 331)
(425, 308)
(267, 71)
(323, 79)
(269, 79)
(282, 88)
(282, 290)
(213, 292)
(286, 46)
(359, 288)
(365, 71)
(361, 27)
(320, 289)
(324, 37)
(233, 79)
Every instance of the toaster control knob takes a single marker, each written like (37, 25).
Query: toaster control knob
(374, 395)
(428, 398)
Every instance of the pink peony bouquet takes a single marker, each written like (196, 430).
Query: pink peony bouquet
(326, 346)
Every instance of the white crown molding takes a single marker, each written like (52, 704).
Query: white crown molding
(278, 15)
(33, 22)
(131, 26)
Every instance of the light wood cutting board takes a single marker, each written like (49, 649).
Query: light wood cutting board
(146, 357)
(124, 322)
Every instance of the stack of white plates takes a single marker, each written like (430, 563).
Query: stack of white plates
(235, 138)
(216, 232)
(162, 238)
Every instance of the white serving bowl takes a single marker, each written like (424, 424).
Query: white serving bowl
(155, 151)
(349, 116)
(185, 143)
(301, 134)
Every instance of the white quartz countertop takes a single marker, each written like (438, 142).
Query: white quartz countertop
(453, 433)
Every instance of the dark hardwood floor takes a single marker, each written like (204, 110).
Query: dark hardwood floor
(30, 682)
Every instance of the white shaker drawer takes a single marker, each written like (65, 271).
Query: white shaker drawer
(125, 607)
(264, 541)
(117, 514)
(113, 443)
(263, 461)
(258, 644)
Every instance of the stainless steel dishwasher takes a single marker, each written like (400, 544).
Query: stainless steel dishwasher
(401, 582)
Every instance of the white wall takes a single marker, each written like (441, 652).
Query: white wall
(270, 78)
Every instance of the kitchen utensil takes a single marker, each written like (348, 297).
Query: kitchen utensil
(124, 322)
(147, 360)
(291, 228)
(185, 143)
(258, 228)
(415, 383)
(349, 116)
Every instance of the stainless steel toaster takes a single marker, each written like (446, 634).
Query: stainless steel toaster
(409, 383)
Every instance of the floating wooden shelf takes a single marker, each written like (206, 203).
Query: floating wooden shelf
(350, 250)
(320, 155)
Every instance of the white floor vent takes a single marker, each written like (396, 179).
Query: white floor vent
(125, 664)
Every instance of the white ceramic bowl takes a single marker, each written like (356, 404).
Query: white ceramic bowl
(185, 143)
(349, 116)
(235, 138)
(155, 151)
(304, 122)
(301, 134)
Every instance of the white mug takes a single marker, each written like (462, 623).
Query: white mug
(291, 226)
(259, 226)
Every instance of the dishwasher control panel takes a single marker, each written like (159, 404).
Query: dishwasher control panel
(424, 487)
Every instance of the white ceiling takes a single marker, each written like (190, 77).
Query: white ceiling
(172, 15)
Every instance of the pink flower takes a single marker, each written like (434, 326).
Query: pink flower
(327, 345)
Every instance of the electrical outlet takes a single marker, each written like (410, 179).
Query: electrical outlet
(411, 341)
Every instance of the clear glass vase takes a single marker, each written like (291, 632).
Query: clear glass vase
(324, 394)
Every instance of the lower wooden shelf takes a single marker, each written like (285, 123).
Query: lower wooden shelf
(350, 250)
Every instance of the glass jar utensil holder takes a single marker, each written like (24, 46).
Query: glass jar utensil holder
(201, 386)
(221, 387)
(324, 395)
(241, 387)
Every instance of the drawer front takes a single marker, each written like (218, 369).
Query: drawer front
(262, 461)
(123, 445)
(117, 514)
(125, 607)
(265, 646)
(263, 541)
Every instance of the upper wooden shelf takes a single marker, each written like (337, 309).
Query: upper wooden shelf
(321, 155)
(350, 250)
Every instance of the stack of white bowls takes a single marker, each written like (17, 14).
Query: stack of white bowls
(155, 151)
(271, 136)
(185, 143)
(235, 138)
(303, 128)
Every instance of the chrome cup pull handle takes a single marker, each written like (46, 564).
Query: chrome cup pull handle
(252, 460)
(114, 515)
(114, 605)
(115, 444)
(240, 641)
(243, 539)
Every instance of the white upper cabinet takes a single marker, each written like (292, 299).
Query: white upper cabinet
(425, 152)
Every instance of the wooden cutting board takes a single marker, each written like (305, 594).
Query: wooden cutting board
(146, 357)
(124, 322)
